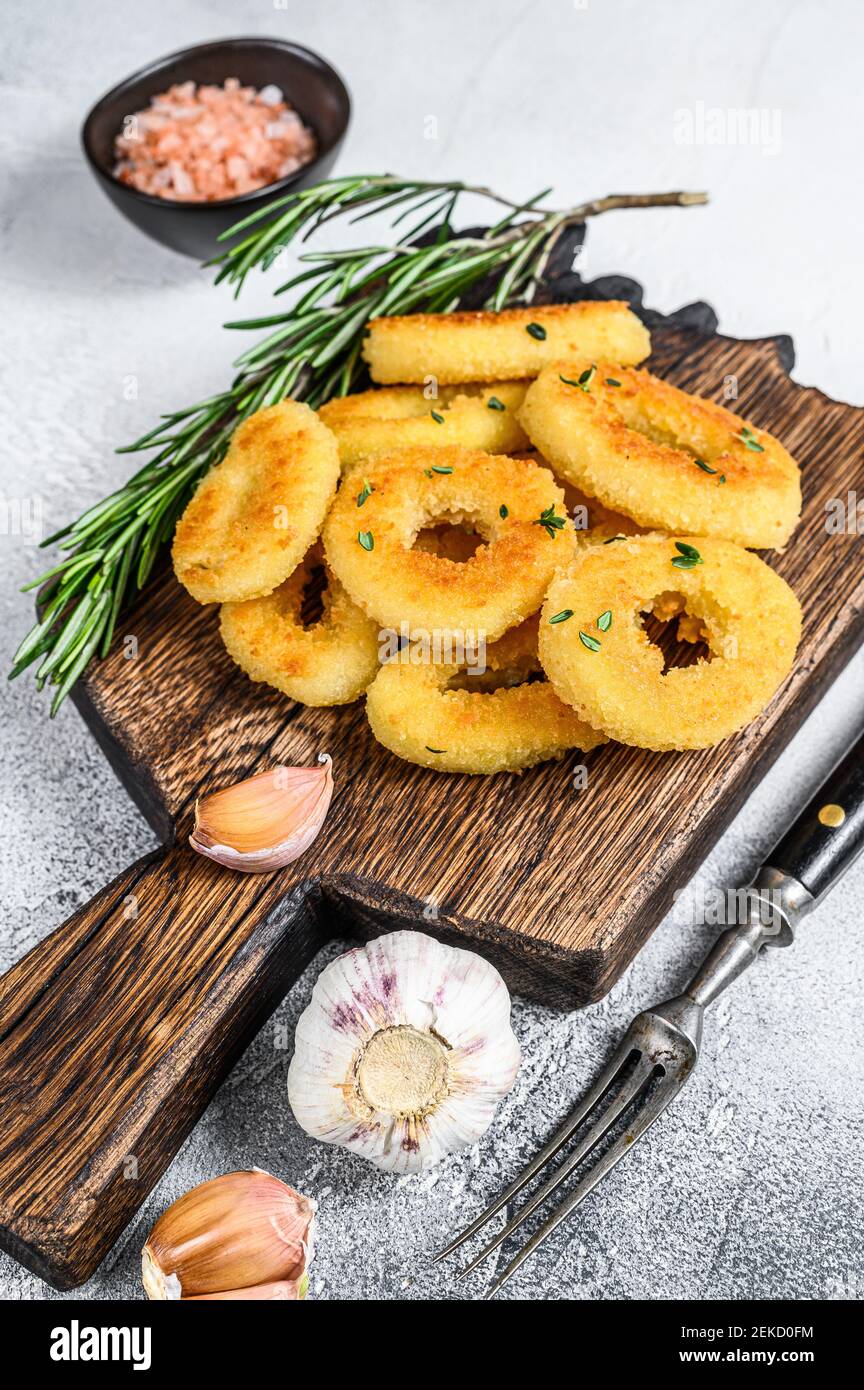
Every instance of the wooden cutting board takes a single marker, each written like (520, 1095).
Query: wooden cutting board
(115, 1030)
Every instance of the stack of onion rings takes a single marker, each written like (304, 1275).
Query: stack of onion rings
(665, 458)
(256, 513)
(597, 655)
(446, 535)
(413, 713)
(404, 417)
(516, 343)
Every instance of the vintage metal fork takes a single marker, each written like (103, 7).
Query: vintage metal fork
(661, 1046)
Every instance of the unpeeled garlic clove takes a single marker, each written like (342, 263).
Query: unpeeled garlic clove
(286, 1290)
(267, 821)
(233, 1233)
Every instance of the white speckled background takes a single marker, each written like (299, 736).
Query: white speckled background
(752, 1185)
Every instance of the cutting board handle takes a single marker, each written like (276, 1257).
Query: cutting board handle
(116, 1030)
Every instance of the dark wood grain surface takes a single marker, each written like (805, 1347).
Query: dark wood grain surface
(115, 1031)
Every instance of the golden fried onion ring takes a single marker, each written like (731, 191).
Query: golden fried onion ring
(665, 458)
(257, 512)
(485, 346)
(600, 660)
(403, 417)
(330, 662)
(471, 729)
(515, 505)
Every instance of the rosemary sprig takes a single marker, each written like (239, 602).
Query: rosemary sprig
(310, 351)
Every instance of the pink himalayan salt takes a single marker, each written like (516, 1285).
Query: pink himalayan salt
(197, 145)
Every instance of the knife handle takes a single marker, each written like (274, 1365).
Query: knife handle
(821, 844)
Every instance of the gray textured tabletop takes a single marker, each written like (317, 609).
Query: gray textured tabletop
(752, 1185)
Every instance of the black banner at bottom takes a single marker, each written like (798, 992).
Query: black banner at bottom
(71, 1337)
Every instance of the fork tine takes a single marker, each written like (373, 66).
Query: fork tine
(640, 1078)
(642, 1122)
(559, 1138)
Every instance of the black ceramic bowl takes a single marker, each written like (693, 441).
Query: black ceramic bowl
(310, 85)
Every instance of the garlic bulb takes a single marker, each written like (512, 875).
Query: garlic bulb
(234, 1233)
(404, 1052)
(267, 821)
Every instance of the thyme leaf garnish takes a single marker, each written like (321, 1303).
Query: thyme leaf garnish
(551, 523)
(689, 557)
(588, 641)
(749, 440)
(366, 539)
(561, 617)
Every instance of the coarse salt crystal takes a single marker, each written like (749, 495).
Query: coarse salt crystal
(206, 143)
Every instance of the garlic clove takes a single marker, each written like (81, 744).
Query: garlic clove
(404, 1052)
(267, 821)
(232, 1233)
(286, 1290)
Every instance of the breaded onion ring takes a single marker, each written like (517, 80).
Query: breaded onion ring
(600, 660)
(257, 512)
(330, 662)
(515, 505)
(403, 417)
(665, 458)
(471, 729)
(484, 346)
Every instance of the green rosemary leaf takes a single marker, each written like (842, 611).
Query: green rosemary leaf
(706, 468)
(561, 617)
(604, 622)
(493, 403)
(366, 539)
(588, 641)
(503, 512)
(365, 492)
(72, 673)
(439, 419)
(536, 330)
(610, 381)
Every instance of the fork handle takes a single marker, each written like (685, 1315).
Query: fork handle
(819, 847)
(809, 859)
